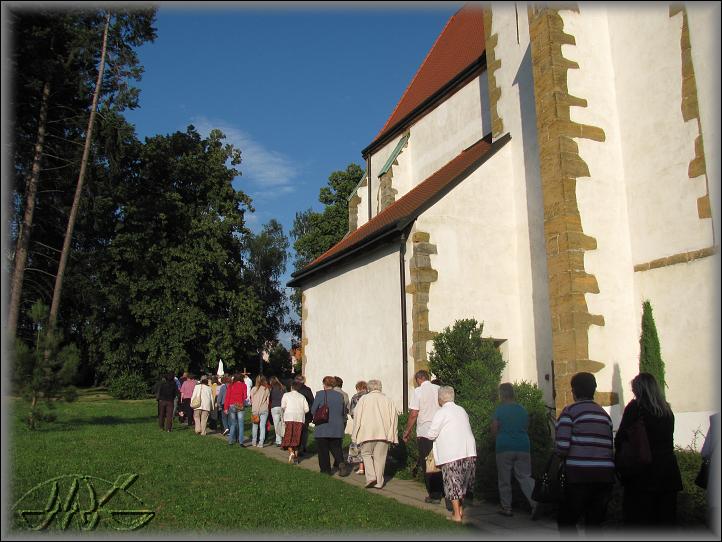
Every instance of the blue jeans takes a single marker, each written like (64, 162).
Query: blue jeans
(224, 418)
(254, 429)
(235, 420)
(278, 426)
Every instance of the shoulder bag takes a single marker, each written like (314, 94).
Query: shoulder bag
(321, 414)
(551, 487)
(634, 452)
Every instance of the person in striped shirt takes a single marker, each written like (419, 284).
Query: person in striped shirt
(584, 440)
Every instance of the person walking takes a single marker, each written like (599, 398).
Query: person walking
(584, 442)
(354, 450)
(329, 435)
(509, 425)
(167, 392)
(423, 405)
(260, 395)
(294, 407)
(249, 384)
(186, 391)
(650, 491)
(220, 399)
(233, 405)
(375, 428)
(203, 395)
(308, 394)
(454, 449)
(276, 395)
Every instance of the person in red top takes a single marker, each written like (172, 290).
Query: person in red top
(233, 406)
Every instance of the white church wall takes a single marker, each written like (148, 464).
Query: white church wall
(638, 202)
(658, 144)
(517, 110)
(353, 323)
(475, 232)
(451, 127)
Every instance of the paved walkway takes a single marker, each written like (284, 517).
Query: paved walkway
(479, 514)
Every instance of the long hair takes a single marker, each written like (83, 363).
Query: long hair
(275, 383)
(649, 394)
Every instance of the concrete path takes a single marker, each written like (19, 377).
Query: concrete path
(479, 514)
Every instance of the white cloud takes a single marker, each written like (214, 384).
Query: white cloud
(270, 171)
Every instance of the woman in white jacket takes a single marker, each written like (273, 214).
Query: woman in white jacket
(454, 449)
(203, 397)
(294, 407)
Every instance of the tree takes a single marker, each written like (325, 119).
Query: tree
(54, 64)
(178, 298)
(40, 377)
(279, 362)
(266, 255)
(650, 355)
(314, 233)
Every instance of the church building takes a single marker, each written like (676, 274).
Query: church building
(546, 171)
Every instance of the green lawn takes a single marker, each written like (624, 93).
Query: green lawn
(192, 483)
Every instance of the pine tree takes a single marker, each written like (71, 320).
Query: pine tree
(650, 355)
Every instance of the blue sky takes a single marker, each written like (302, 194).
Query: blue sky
(301, 92)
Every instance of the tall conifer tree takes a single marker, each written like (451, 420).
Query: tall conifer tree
(650, 355)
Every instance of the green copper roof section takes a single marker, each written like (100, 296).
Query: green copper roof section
(394, 155)
(358, 185)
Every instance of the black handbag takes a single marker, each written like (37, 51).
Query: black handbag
(552, 485)
(321, 414)
(703, 474)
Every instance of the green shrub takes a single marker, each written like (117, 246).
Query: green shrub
(128, 386)
(70, 394)
(692, 500)
(472, 365)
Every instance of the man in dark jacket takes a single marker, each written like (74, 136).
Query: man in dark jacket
(166, 394)
(308, 394)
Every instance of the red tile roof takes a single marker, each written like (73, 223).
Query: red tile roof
(460, 44)
(400, 213)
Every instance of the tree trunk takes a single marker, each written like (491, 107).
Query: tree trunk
(78, 189)
(21, 248)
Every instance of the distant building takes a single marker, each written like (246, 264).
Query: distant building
(545, 172)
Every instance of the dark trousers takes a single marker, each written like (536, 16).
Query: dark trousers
(304, 437)
(433, 481)
(325, 445)
(165, 415)
(647, 508)
(187, 411)
(588, 501)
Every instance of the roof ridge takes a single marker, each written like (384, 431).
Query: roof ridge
(418, 71)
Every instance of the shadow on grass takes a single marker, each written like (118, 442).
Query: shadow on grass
(102, 420)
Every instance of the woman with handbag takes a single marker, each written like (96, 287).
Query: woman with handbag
(329, 418)
(650, 483)
(259, 411)
(202, 404)
(294, 407)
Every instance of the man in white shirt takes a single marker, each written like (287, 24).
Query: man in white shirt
(423, 405)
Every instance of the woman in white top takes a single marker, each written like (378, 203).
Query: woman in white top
(203, 395)
(294, 407)
(454, 449)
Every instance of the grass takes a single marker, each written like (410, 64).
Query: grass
(193, 483)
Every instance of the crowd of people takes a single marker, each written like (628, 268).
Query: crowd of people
(584, 439)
